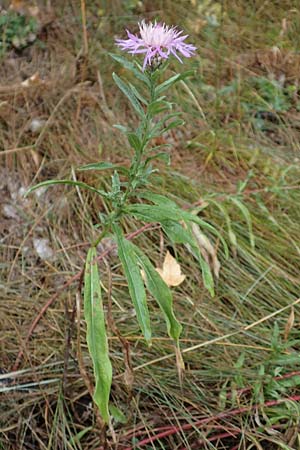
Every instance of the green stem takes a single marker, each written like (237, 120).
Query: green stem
(135, 167)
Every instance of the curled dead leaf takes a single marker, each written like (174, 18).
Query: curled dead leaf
(171, 271)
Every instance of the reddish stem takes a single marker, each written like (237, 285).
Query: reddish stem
(174, 430)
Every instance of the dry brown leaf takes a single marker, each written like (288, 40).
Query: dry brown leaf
(207, 249)
(34, 80)
(289, 324)
(171, 271)
(179, 364)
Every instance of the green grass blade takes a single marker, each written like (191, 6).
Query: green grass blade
(67, 182)
(96, 334)
(244, 210)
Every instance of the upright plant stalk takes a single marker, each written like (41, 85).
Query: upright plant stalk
(156, 117)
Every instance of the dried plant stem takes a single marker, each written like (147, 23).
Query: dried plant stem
(221, 338)
(84, 29)
(224, 415)
(83, 59)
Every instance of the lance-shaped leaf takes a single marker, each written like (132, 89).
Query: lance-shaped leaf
(132, 67)
(174, 212)
(160, 291)
(174, 79)
(129, 260)
(96, 334)
(128, 92)
(103, 166)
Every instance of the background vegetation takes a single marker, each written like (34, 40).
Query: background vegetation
(237, 155)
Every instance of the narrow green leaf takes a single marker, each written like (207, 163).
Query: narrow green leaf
(162, 155)
(102, 166)
(153, 213)
(127, 91)
(96, 334)
(161, 292)
(117, 414)
(132, 67)
(123, 129)
(159, 106)
(244, 210)
(168, 83)
(173, 124)
(166, 209)
(134, 141)
(115, 183)
(74, 440)
(68, 182)
(136, 287)
(158, 199)
(138, 94)
(160, 125)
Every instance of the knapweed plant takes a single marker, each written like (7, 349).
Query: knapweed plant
(131, 196)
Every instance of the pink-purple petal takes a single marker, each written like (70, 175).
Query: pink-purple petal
(156, 39)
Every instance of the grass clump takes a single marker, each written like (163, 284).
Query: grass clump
(240, 388)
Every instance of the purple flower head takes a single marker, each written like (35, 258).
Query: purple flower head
(157, 41)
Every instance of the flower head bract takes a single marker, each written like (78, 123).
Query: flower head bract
(157, 41)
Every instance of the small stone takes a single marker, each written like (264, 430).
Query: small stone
(10, 212)
(36, 125)
(43, 249)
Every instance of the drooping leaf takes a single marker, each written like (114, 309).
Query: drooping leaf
(128, 92)
(67, 182)
(159, 199)
(173, 124)
(164, 156)
(231, 234)
(166, 209)
(129, 260)
(117, 414)
(161, 292)
(153, 213)
(96, 334)
(244, 210)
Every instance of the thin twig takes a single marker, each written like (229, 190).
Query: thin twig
(223, 415)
